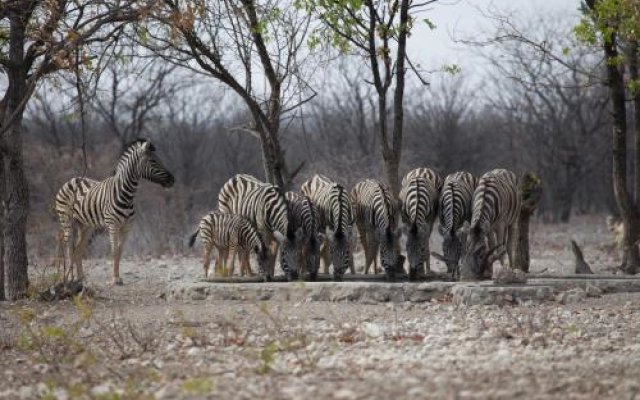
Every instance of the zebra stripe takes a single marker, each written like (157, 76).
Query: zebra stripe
(265, 206)
(88, 204)
(419, 205)
(456, 201)
(334, 211)
(230, 232)
(426, 173)
(496, 206)
(305, 221)
(374, 213)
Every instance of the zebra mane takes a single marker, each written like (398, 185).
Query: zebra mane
(129, 148)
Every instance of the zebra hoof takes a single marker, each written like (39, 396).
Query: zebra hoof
(117, 282)
(413, 274)
(313, 276)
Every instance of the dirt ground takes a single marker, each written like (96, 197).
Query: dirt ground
(128, 342)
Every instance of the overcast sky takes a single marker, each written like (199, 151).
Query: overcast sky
(463, 19)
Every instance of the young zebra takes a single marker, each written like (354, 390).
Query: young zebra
(418, 207)
(426, 173)
(496, 206)
(265, 206)
(230, 232)
(375, 216)
(456, 201)
(334, 209)
(304, 220)
(84, 204)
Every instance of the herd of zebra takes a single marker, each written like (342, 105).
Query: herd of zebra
(476, 219)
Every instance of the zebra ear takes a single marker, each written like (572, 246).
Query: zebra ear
(146, 146)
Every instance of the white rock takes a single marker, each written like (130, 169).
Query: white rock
(345, 394)
(194, 351)
(373, 330)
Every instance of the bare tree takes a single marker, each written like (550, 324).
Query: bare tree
(377, 30)
(256, 48)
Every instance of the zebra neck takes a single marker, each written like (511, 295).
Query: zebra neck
(126, 185)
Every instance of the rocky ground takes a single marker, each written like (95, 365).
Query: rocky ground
(129, 342)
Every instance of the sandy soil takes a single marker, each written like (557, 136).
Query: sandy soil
(130, 343)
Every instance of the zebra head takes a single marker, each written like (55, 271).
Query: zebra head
(416, 247)
(313, 255)
(264, 261)
(478, 257)
(288, 254)
(389, 251)
(340, 250)
(150, 167)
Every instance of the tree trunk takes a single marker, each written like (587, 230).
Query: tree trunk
(17, 191)
(626, 205)
(633, 72)
(530, 192)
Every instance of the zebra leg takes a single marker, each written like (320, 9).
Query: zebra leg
(245, 266)
(66, 232)
(221, 262)
(117, 237)
(511, 235)
(324, 253)
(81, 249)
(206, 259)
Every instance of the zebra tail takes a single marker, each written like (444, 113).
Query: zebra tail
(192, 239)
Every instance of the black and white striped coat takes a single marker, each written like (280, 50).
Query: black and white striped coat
(456, 205)
(374, 214)
(84, 204)
(496, 207)
(335, 213)
(265, 206)
(305, 221)
(426, 173)
(419, 208)
(230, 232)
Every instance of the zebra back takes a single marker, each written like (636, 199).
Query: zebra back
(261, 203)
(426, 173)
(456, 201)
(373, 204)
(418, 203)
(496, 200)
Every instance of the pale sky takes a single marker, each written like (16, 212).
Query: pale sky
(464, 19)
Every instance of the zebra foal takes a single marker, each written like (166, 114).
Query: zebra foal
(335, 214)
(226, 232)
(84, 204)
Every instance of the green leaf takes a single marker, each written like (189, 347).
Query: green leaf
(429, 23)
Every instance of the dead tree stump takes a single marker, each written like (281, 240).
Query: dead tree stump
(581, 265)
(530, 189)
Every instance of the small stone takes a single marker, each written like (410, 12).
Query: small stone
(592, 290)
(571, 296)
(372, 330)
(194, 351)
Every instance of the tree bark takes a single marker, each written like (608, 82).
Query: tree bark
(530, 192)
(634, 75)
(624, 200)
(17, 191)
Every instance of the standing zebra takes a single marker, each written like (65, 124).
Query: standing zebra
(84, 204)
(265, 206)
(334, 209)
(418, 206)
(230, 232)
(304, 220)
(375, 216)
(455, 208)
(496, 206)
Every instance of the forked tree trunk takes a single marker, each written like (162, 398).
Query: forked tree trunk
(530, 192)
(17, 191)
(624, 199)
